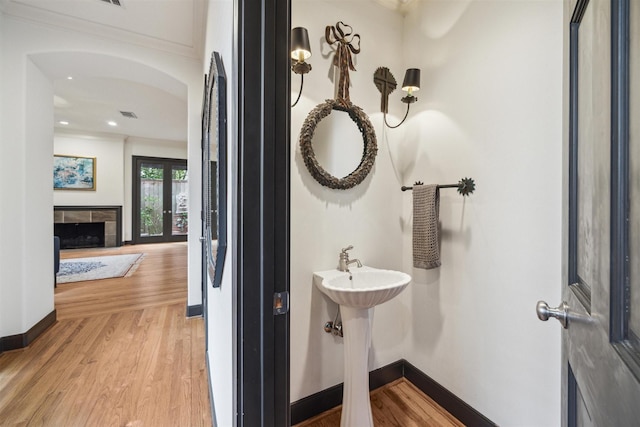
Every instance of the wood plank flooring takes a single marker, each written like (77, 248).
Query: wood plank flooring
(121, 354)
(160, 279)
(397, 404)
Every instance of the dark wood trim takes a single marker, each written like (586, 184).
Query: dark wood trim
(316, 404)
(167, 236)
(194, 310)
(324, 400)
(622, 337)
(14, 342)
(620, 290)
(280, 109)
(581, 289)
(578, 11)
(386, 374)
(449, 401)
(572, 398)
(261, 40)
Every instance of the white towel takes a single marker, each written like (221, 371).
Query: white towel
(426, 235)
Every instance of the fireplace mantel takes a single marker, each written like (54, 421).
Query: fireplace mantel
(110, 215)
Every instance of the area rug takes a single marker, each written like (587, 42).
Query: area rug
(95, 268)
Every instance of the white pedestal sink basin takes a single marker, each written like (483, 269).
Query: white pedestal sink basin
(356, 293)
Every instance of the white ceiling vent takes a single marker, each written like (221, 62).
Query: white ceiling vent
(129, 114)
(113, 2)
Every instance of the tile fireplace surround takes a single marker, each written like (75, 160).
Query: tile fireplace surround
(110, 215)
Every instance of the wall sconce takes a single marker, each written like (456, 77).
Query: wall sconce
(300, 51)
(386, 83)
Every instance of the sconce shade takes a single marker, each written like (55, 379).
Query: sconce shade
(300, 47)
(411, 82)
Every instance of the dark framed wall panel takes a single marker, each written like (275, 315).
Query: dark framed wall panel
(261, 204)
(622, 336)
(577, 284)
(634, 171)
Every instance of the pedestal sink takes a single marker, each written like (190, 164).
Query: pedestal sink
(357, 292)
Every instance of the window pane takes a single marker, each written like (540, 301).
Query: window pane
(151, 200)
(179, 200)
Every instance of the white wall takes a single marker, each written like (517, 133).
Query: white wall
(490, 108)
(220, 313)
(37, 298)
(113, 168)
(27, 292)
(21, 122)
(108, 151)
(324, 220)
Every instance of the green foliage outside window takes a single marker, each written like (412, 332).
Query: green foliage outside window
(158, 173)
(151, 216)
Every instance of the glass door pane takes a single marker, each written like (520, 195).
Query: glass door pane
(151, 199)
(179, 200)
(161, 199)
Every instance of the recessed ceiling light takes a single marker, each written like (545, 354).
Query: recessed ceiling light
(112, 123)
(63, 122)
(69, 77)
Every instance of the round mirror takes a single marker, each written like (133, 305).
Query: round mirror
(338, 144)
(338, 154)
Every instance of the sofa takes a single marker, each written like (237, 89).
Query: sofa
(56, 259)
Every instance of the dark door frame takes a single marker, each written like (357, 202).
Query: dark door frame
(261, 209)
(135, 201)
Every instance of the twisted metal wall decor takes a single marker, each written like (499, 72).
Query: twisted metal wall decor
(341, 35)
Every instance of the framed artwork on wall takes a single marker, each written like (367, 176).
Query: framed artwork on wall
(74, 173)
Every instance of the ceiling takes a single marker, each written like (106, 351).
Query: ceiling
(103, 86)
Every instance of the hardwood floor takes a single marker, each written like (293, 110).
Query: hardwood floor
(398, 404)
(160, 279)
(121, 354)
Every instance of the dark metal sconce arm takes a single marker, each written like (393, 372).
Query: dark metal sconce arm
(302, 68)
(403, 119)
(300, 92)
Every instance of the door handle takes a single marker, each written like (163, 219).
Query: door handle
(561, 312)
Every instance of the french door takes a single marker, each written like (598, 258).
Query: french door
(160, 200)
(601, 291)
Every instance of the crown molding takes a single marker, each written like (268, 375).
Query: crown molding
(50, 19)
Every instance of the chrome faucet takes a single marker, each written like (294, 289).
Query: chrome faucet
(343, 263)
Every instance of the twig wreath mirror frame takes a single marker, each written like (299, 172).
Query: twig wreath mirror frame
(341, 35)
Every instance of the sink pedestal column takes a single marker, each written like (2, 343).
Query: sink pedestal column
(356, 404)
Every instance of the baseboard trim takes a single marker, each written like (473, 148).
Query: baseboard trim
(324, 400)
(15, 342)
(194, 310)
(443, 397)
(315, 404)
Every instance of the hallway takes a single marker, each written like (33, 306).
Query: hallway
(121, 354)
